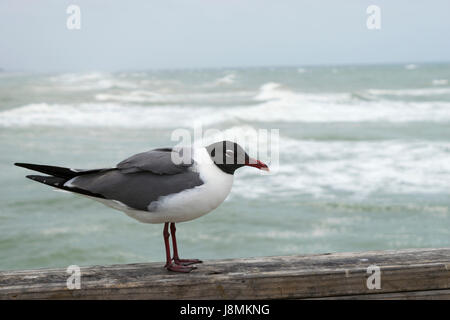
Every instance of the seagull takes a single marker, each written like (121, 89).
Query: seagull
(164, 185)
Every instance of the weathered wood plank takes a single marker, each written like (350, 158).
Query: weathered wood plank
(284, 277)
(408, 295)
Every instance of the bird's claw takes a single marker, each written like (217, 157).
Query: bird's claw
(179, 268)
(186, 262)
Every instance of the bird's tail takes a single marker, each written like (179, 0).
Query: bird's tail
(58, 176)
(59, 172)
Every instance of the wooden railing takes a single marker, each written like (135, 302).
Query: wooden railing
(393, 274)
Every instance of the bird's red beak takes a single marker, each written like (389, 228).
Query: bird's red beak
(257, 164)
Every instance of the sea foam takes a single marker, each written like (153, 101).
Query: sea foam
(284, 105)
(105, 115)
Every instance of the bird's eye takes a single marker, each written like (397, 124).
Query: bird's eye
(213, 153)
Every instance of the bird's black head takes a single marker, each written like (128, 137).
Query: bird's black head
(229, 156)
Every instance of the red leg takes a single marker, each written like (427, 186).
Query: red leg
(166, 236)
(169, 264)
(176, 258)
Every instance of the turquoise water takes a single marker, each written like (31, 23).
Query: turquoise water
(364, 160)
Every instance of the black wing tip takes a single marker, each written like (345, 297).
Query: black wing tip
(31, 166)
(55, 171)
(20, 164)
(58, 182)
(36, 177)
(49, 180)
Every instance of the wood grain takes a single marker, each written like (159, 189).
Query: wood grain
(411, 273)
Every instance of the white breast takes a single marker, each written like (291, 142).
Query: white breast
(191, 203)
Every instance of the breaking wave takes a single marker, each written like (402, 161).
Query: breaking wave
(270, 103)
(284, 105)
(348, 169)
(104, 115)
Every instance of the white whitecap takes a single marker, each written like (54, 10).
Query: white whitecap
(284, 105)
(410, 66)
(106, 115)
(439, 82)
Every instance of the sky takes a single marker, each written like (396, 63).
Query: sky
(172, 34)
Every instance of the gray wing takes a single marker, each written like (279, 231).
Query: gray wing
(159, 161)
(141, 179)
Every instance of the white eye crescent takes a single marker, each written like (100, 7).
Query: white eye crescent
(229, 153)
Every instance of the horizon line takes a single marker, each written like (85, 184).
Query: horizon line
(268, 66)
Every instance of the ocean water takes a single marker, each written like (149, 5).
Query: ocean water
(364, 160)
